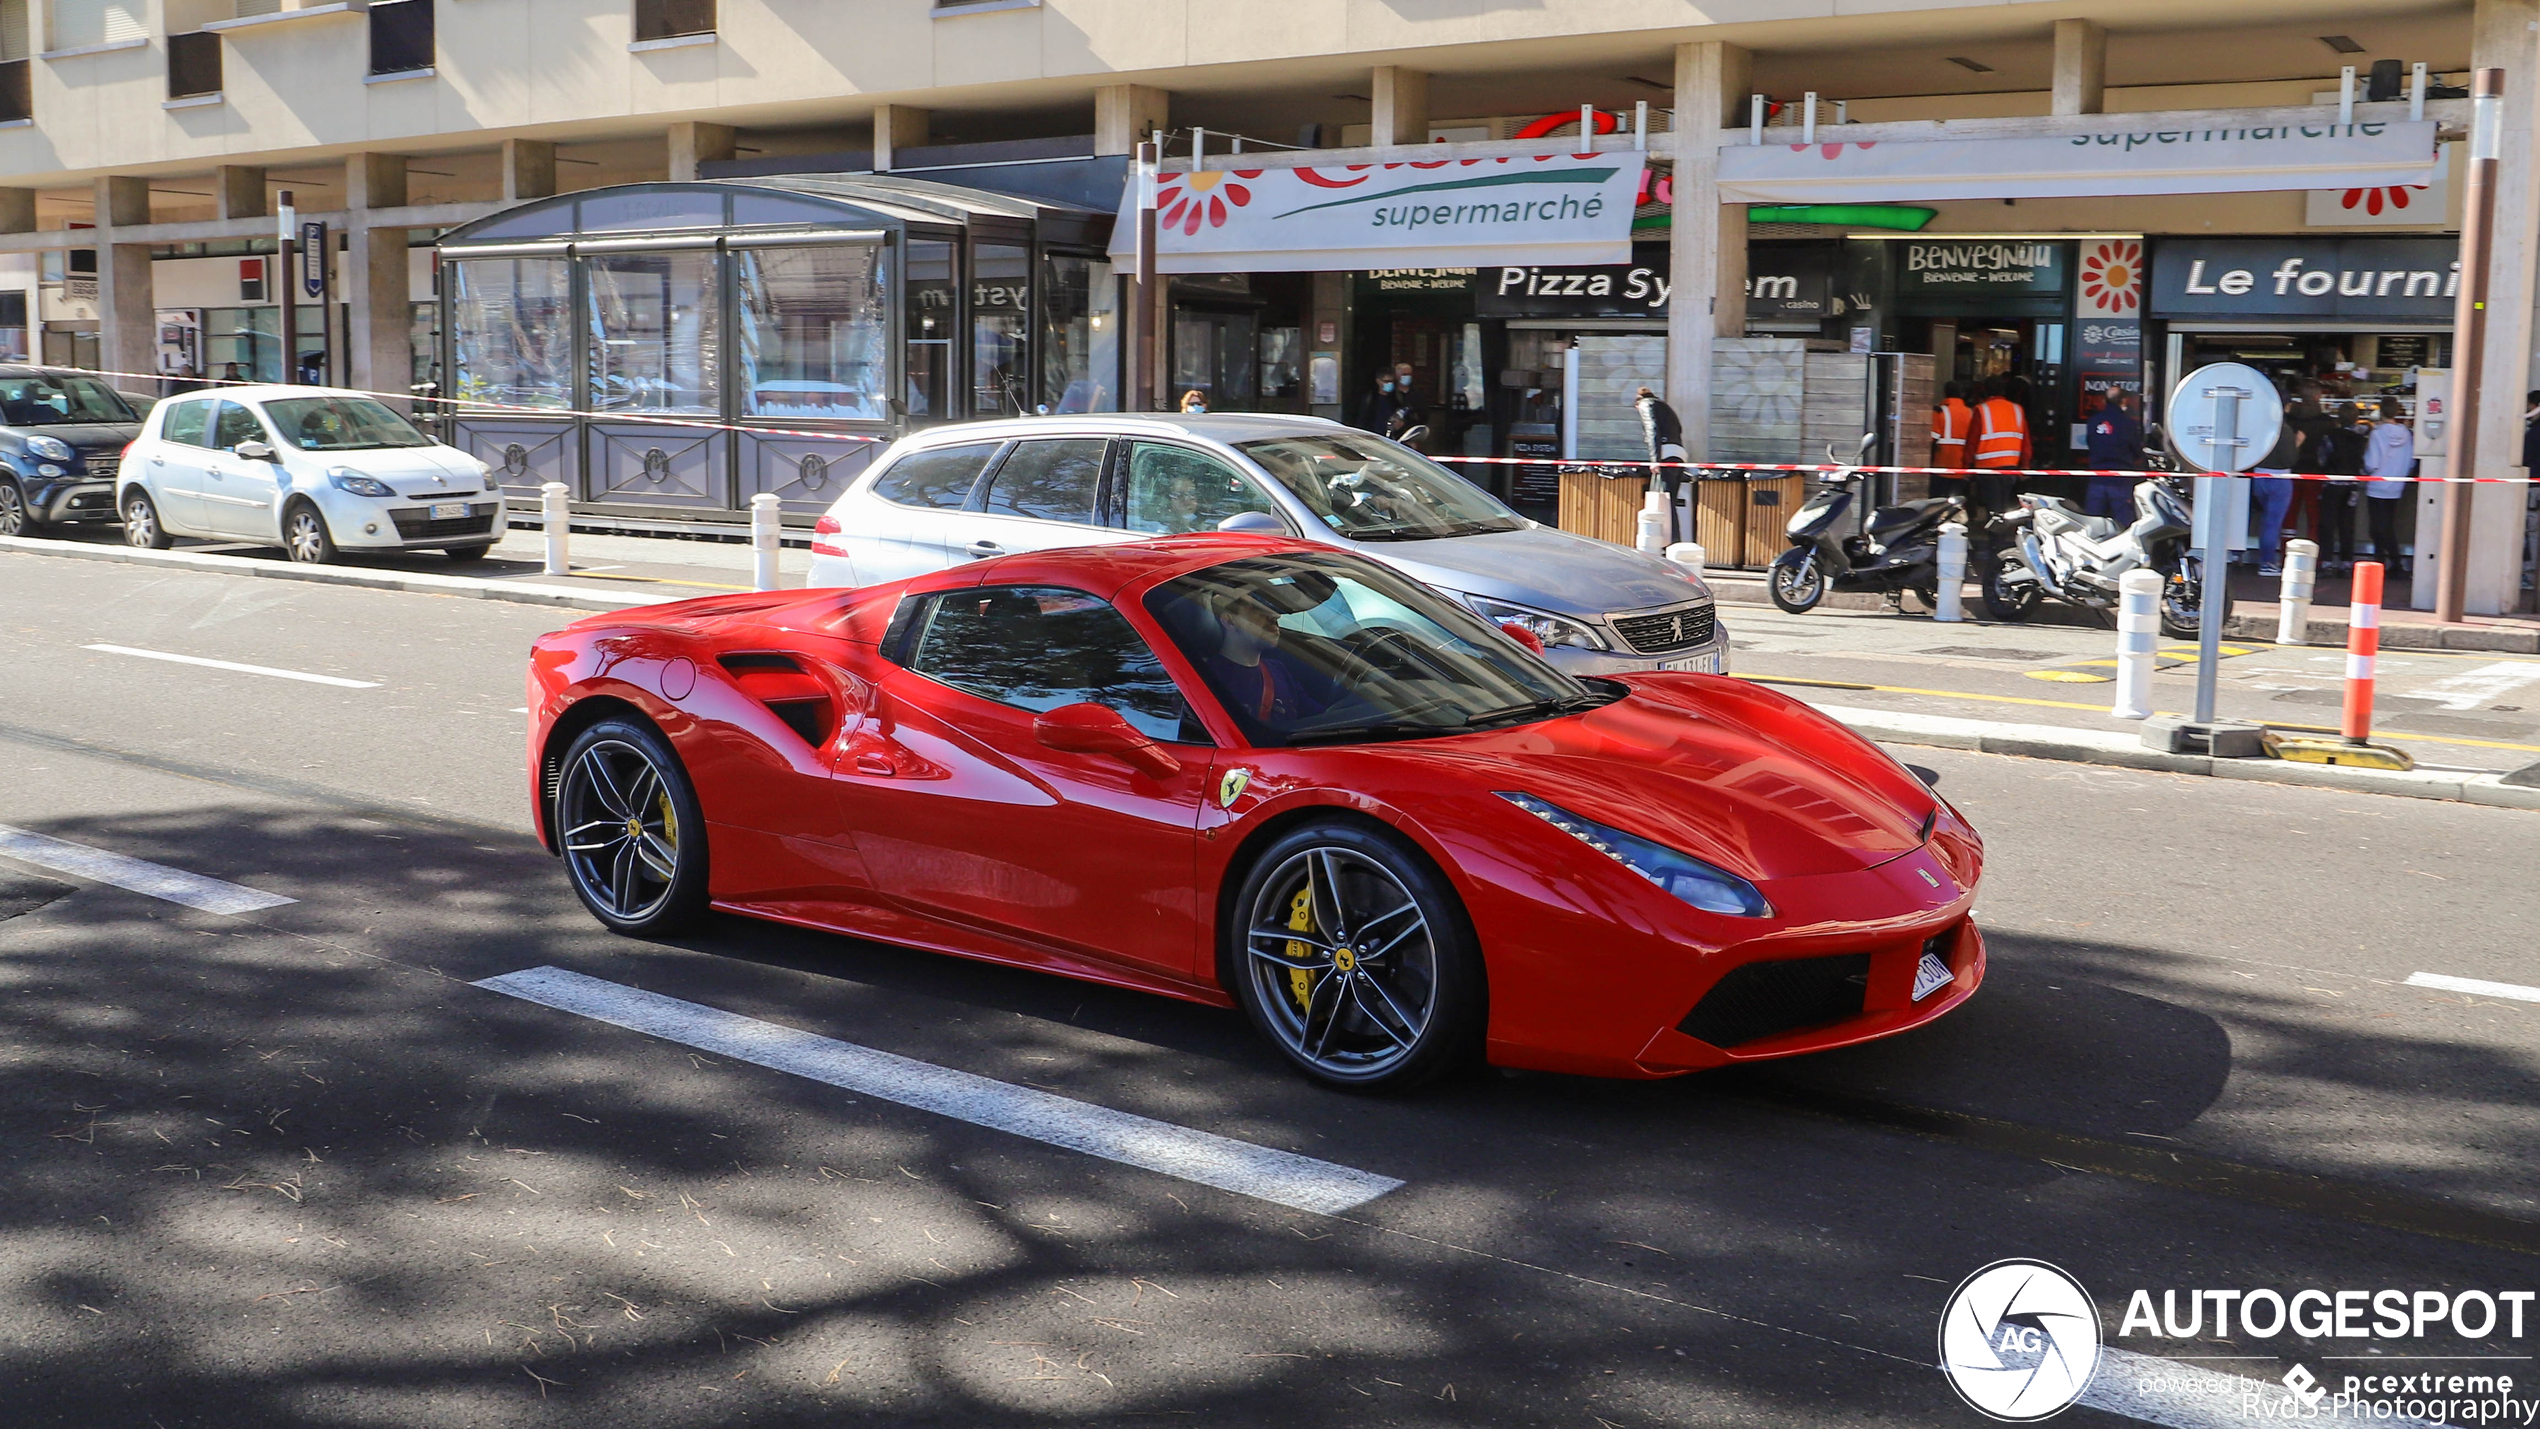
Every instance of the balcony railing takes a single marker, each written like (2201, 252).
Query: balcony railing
(17, 98)
(193, 64)
(400, 36)
(668, 19)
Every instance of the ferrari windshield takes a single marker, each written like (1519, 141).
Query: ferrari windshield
(1369, 489)
(341, 424)
(1325, 649)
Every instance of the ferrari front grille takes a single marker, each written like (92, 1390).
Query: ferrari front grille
(1667, 631)
(1763, 1000)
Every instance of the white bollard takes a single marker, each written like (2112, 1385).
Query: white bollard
(1655, 518)
(559, 523)
(765, 534)
(1687, 557)
(1953, 573)
(2138, 637)
(2293, 611)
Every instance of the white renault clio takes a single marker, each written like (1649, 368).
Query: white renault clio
(309, 469)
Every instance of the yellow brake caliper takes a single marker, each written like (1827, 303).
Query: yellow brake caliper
(669, 822)
(1301, 919)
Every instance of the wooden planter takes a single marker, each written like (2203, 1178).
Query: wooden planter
(1607, 508)
(1770, 503)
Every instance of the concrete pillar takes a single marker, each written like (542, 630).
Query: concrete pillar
(1402, 106)
(17, 210)
(2506, 34)
(374, 181)
(1707, 257)
(2081, 67)
(1124, 114)
(122, 202)
(127, 311)
(897, 127)
(692, 144)
(238, 191)
(529, 169)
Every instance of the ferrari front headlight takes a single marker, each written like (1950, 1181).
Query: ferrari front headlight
(1714, 890)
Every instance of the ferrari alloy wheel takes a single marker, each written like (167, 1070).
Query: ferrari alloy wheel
(141, 523)
(13, 519)
(1354, 957)
(1796, 582)
(305, 538)
(628, 825)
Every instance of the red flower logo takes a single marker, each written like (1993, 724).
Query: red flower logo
(2112, 276)
(1189, 200)
(2374, 201)
(1828, 151)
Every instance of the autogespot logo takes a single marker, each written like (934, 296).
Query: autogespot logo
(2019, 1340)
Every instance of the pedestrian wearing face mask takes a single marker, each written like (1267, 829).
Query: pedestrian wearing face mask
(1383, 407)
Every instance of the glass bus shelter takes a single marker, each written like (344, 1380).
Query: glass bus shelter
(681, 347)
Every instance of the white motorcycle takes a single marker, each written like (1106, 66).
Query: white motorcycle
(2058, 551)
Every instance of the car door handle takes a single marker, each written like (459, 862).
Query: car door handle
(986, 548)
(873, 764)
(158, 461)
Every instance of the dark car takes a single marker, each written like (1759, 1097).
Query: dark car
(62, 436)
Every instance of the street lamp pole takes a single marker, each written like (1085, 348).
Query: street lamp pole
(285, 284)
(2469, 340)
(1143, 346)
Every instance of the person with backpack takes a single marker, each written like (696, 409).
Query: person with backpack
(2341, 451)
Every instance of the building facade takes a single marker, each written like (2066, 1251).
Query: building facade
(145, 145)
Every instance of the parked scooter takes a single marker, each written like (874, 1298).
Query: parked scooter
(1898, 549)
(2058, 551)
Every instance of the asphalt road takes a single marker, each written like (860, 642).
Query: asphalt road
(290, 1166)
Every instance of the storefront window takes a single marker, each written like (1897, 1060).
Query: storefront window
(653, 332)
(814, 325)
(927, 308)
(511, 336)
(1000, 294)
(245, 344)
(1080, 335)
(1282, 362)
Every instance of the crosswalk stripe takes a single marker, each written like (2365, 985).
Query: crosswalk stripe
(1282, 1177)
(194, 890)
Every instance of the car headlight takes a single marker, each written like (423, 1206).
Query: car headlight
(1711, 889)
(344, 478)
(1550, 629)
(50, 448)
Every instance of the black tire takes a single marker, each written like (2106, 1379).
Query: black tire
(2014, 601)
(627, 822)
(1308, 966)
(142, 527)
(305, 538)
(1796, 581)
(14, 520)
(467, 553)
(2183, 607)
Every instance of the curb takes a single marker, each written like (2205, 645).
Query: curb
(2123, 750)
(515, 592)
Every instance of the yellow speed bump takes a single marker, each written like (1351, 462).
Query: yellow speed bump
(2070, 677)
(2302, 749)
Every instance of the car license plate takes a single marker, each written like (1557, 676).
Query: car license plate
(1699, 664)
(1931, 976)
(449, 510)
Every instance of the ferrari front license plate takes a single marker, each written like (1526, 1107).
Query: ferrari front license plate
(449, 511)
(1699, 664)
(1930, 977)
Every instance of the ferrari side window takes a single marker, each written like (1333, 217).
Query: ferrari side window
(1040, 647)
(1049, 480)
(1172, 490)
(941, 478)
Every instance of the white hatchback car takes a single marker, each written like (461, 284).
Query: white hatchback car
(309, 469)
(973, 490)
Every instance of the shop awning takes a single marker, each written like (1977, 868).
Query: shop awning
(2151, 161)
(1564, 208)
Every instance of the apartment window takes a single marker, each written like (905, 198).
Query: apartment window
(666, 19)
(400, 36)
(17, 56)
(78, 24)
(193, 64)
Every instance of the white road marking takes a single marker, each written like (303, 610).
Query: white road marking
(2475, 987)
(2472, 688)
(159, 881)
(233, 665)
(2190, 1396)
(1246, 1169)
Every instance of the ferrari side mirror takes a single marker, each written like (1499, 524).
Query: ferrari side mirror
(1089, 728)
(1521, 635)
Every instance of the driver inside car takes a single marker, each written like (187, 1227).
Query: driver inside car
(1252, 671)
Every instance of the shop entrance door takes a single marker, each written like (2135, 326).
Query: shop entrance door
(1216, 355)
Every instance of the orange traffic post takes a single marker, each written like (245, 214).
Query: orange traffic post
(2363, 650)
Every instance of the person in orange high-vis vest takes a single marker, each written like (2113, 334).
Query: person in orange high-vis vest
(2000, 443)
(1951, 422)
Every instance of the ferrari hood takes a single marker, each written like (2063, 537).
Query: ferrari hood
(1735, 775)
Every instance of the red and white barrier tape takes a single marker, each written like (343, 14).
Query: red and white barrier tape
(1743, 466)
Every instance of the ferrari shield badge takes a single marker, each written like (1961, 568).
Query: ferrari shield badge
(1231, 786)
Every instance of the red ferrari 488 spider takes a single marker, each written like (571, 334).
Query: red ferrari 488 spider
(1247, 770)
